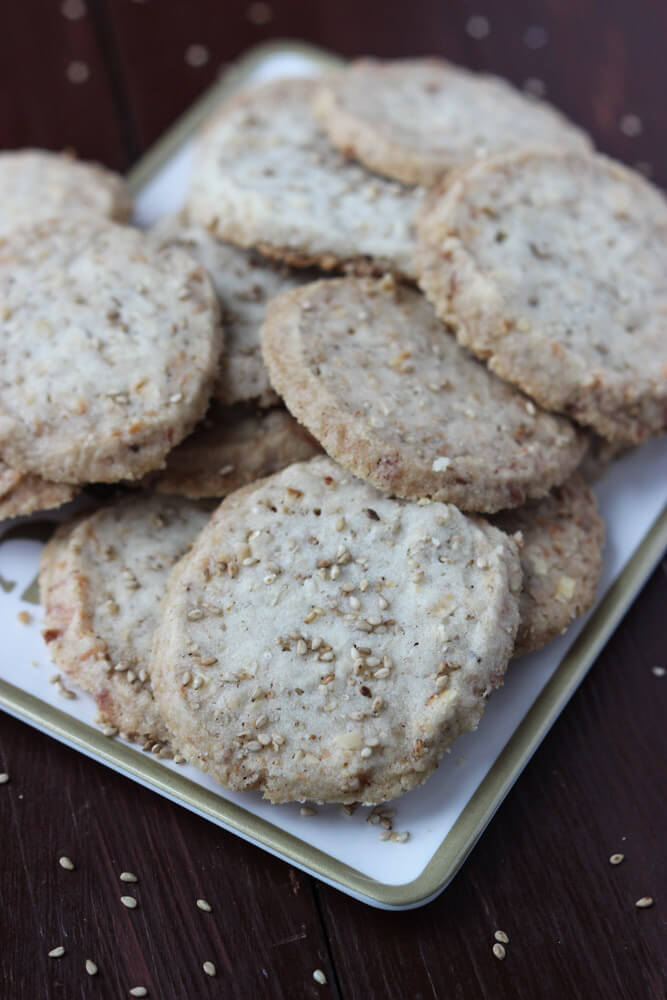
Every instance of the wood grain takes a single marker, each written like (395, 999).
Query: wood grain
(541, 871)
(596, 786)
(264, 934)
(39, 105)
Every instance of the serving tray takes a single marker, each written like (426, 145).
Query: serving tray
(445, 817)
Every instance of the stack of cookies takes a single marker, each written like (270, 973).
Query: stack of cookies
(416, 301)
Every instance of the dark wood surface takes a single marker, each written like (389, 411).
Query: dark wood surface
(596, 786)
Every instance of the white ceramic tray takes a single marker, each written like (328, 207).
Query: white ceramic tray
(444, 817)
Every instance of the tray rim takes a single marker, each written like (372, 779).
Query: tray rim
(487, 798)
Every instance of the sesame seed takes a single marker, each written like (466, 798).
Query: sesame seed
(209, 968)
(616, 859)
(307, 811)
(502, 937)
(319, 977)
(400, 838)
(261, 13)
(385, 835)
(301, 647)
(203, 905)
(73, 9)
(499, 951)
(658, 671)
(644, 903)
(478, 27)
(128, 877)
(382, 673)
(631, 125)
(57, 952)
(66, 863)
(91, 968)
(77, 71)
(187, 677)
(129, 901)
(253, 746)
(138, 991)
(4, 778)
(366, 752)
(535, 37)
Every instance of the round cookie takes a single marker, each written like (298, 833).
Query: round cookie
(321, 641)
(234, 446)
(414, 119)
(265, 176)
(553, 267)
(371, 372)
(36, 185)
(21, 494)
(561, 560)
(108, 350)
(102, 578)
(244, 282)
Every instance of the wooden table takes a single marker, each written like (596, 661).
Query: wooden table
(106, 77)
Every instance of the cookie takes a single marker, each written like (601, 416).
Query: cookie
(562, 537)
(415, 119)
(244, 282)
(553, 267)
(234, 446)
(108, 350)
(102, 578)
(385, 625)
(265, 176)
(36, 185)
(369, 369)
(25, 494)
